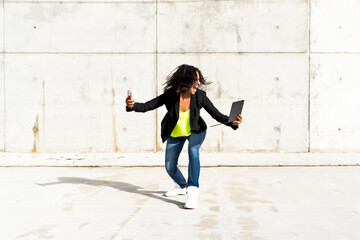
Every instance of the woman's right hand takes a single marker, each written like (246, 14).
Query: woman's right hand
(129, 102)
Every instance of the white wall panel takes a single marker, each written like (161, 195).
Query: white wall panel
(79, 100)
(232, 26)
(24, 96)
(335, 26)
(87, 1)
(1, 27)
(2, 93)
(21, 120)
(136, 132)
(76, 27)
(335, 103)
(275, 90)
(78, 128)
(2, 106)
(247, 1)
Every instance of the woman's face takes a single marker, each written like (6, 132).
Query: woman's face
(196, 84)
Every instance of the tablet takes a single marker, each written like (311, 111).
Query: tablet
(236, 109)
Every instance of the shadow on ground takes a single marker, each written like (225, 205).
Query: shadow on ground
(122, 186)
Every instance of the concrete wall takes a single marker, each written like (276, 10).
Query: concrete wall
(66, 67)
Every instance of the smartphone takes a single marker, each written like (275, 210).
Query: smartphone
(129, 94)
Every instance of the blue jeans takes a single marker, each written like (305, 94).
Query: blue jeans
(172, 152)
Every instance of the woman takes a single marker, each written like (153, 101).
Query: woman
(182, 122)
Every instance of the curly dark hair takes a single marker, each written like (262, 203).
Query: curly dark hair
(182, 78)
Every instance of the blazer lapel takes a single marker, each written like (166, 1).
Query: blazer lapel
(192, 106)
(177, 107)
(192, 102)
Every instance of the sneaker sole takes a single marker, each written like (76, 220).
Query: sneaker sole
(187, 207)
(175, 195)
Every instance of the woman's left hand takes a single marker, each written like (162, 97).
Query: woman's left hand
(239, 120)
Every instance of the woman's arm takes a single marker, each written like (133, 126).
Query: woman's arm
(216, 114)
(152, 104)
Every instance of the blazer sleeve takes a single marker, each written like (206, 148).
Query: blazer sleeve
(216, 114)
(147, 106)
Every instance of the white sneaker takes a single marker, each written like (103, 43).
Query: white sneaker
(177, 190)
(192, 193)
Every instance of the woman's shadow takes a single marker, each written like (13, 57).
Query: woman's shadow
(122, 186)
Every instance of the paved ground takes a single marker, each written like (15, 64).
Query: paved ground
(309, 203)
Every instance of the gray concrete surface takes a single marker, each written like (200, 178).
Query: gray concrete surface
(257, 203)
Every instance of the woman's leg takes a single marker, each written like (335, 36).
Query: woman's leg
(195, 141)
(172, 152)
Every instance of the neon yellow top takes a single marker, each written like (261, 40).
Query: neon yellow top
(182, 128)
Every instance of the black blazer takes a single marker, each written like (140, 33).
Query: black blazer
(172, 103)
